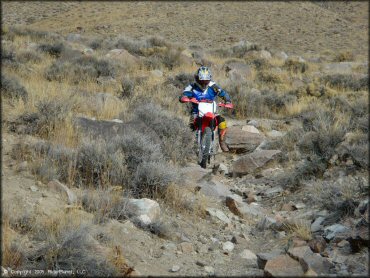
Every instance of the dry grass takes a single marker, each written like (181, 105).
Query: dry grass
(298, 229)
(183, 201)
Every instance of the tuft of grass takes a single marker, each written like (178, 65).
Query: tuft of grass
(298, 229)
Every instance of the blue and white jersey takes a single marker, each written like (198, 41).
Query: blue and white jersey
(210, 93)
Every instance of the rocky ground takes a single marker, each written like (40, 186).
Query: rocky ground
(289, 199)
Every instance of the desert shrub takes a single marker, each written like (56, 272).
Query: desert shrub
(54, 50)
(68, 246)
(33, 34)
(153, 62)
(309, 168)
(181, 80)
(105, 204)
(269, 77)
(344, 56)
(95, 161)
(28, 56)
(237, 51)
(296, 66)
(96, 43)
(341, 196)
(132, 46)
(325, 132)
(152, 177)
(345, 81)
(260, 64)
(129, 84)
(173, 132)
(79, 69)
(265, 103)
(11, 88)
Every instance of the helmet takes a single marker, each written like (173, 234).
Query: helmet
(203, 76)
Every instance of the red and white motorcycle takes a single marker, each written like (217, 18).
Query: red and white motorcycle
(206, 126)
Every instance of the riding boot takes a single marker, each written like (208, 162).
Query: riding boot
(221, 139)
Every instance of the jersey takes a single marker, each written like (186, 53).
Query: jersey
(210, 93)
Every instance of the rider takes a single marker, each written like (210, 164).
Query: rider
(205, 89)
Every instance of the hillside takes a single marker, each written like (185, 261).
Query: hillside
(99, 170)
(295, 27)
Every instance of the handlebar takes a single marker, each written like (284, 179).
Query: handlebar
(194, 100)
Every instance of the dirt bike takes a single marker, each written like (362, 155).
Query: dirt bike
(206, 126)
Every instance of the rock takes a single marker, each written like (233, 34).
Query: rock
(175, 268)
(264, 54)
(262, 258)
(61, 188)
(359, 236)
(310, 273)
(228, 246)
(194, 174)
(73, 37)
(186, 247)
(283, 265)
(23, 166)
(317, 224)
(33, 188)
(249, 257)
(108, 129)
(251, 129)
(237, 71)
(240, 240)
(334, 230)
(275, 134)
(122, 55)
(298, 242)
(250, 162)
(288, 207)
(236, 206)
(156, 73)
(136, 208)
(222, 169)
(317, 244)
(214, 189)
(209, 269)
(282, 55)
(218, 214)
(88, 51)
(251, 198)
(310, 260)
(242, 141)
(272, 191)
(265, 223)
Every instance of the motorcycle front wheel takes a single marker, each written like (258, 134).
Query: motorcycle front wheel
(205, 146)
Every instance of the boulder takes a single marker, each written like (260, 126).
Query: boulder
(264, 54)
(238, 207)
(146, 211)
(310, 260)
(242, 141)
(122, 55)
(253, 161)
(251, 129)
(318, 244)
(60, 187)
(335, 230)
(218, 214)
(240, 72)
(283, 265)
(228, 246)
(186, 247)
(109, 129)
(317, 224)
(214, 189)
(262, 258)
(249, 257)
